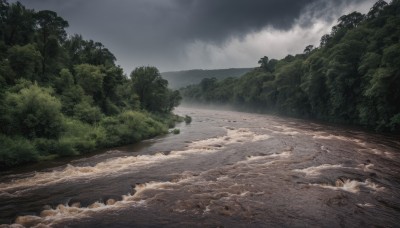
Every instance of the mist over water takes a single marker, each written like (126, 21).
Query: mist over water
(224, 169)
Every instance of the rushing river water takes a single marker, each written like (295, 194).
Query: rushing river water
(226, 169)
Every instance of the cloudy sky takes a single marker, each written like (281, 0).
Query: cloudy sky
(200, 34)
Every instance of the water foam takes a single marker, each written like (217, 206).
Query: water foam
(64, 212)
(117, 166)
(352, 186)
(114, 166)
(365, 205)
(284, 130)
(142, 194)
(366, 167)
(314, 171)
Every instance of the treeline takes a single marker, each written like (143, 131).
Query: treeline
(353, 77)
(63, 95)
(179, 79)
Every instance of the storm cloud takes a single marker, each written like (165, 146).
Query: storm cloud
(186, 34)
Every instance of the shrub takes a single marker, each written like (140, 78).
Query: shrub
(175, 131)
(188, 119)
(168, 119)
(130, 127)
(16, 151)
(47, 147)
(81, 136)
(34, 112)
(87, 113)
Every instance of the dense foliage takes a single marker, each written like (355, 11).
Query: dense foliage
(353, 77)
(63, 95)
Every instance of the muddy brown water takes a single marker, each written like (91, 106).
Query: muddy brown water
(227, 169)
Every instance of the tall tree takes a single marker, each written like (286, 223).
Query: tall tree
(17, 23)
(51, 32)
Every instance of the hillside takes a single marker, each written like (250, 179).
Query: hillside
(179, 79)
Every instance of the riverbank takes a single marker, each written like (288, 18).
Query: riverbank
(80, 138)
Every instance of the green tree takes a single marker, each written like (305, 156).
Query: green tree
(85, 112)
(64, 81)
(351, 20)
(25, 61)
(308, 49)
(82, 51)
(173, 100)
(376, 9)
(51, 31)
(150, 87)
(90, 78)
(17, 24)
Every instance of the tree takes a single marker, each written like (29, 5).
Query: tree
(85, 112)
(173, 99)
(351, 20)
(150, 87)
(263, 63)
(17, 23)
(325, 40)
(376, 9)
(308, 49)
(51, 31)
(90, 78)
(64, 81)
(25, 61)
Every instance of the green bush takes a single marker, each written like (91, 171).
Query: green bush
(33, 112)
(188, 119)
(168, 119)
(87, 113)
(81, 136)
(47, 147)
(176, 131)
(130, 127)
(16, 151)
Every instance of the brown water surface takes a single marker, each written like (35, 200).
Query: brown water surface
(224, 169)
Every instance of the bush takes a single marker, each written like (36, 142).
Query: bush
(188, 119)
(168, 119)
(87, 113)
(16, 151)
(81, 136)
(33, 112)
(130, 127)
(175, 131)
(47, 147)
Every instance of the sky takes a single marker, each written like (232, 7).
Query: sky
(200, 34)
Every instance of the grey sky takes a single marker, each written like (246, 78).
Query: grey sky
(201, 34)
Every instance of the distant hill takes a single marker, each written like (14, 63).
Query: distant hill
(178, 79)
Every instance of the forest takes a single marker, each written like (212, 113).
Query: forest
(352, 77)
(179, 79)
(63, 95)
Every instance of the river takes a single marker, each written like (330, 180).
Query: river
(225, 169)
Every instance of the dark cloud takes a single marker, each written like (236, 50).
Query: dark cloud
(156, 32)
